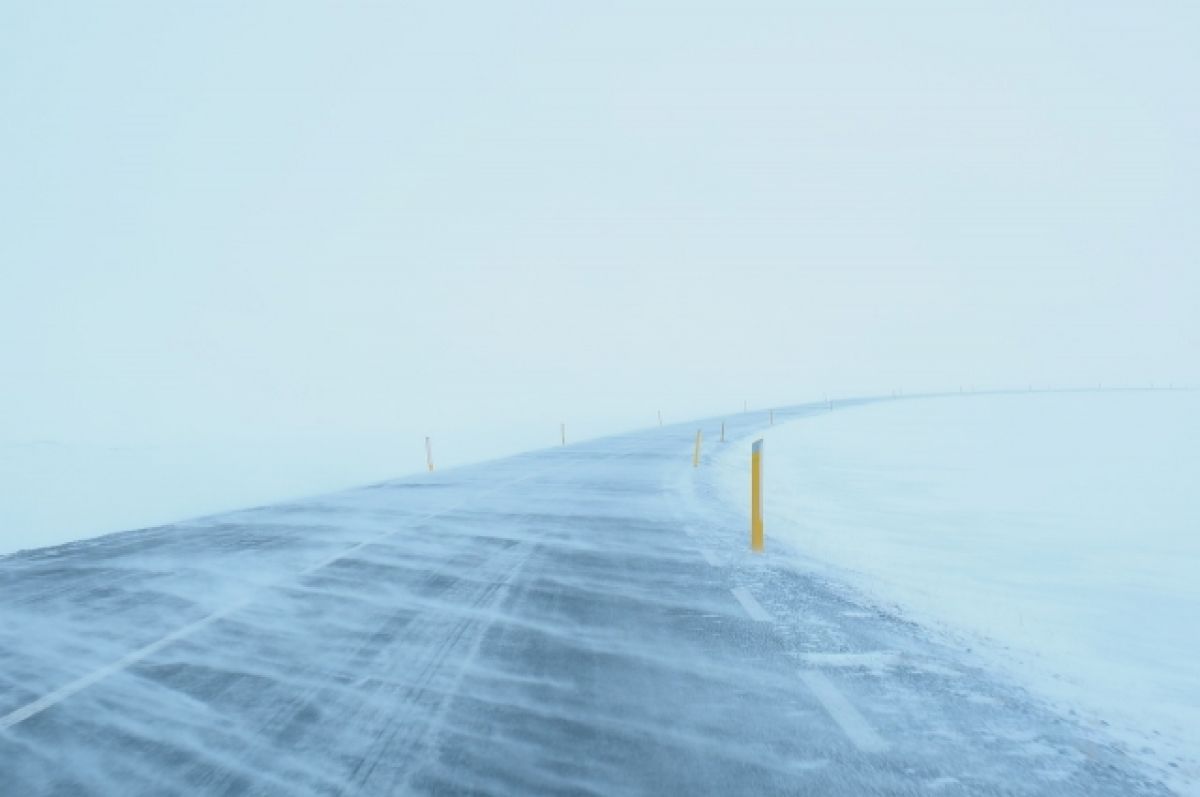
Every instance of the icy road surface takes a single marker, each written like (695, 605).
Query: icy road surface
(577, 620)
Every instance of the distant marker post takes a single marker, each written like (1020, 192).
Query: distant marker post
(429, 454)
(562, 430)
(756, 513)
(696, 453)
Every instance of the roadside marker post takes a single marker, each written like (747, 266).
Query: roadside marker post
(429, 454)
(696, 453)
(562, 429)
(722, 431)
(772, 422)
(660, 417)
(756, 513)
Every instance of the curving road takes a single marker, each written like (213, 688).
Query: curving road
(581, 620)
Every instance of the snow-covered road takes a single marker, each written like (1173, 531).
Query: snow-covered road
(578, 620)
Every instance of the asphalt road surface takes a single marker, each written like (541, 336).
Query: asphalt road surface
(580, 620)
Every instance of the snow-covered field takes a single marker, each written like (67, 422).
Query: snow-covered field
(55, 492)
(1058, 533)
(61, 489)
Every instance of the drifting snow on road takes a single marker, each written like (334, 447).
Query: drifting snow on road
(585, 619)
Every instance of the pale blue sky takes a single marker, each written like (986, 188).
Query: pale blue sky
(476, 219)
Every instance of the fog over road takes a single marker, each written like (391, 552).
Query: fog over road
(584, 619)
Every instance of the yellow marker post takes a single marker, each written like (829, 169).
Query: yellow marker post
(429, 454)
(696, 453)
(756, 513)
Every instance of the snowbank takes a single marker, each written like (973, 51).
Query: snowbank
(1058, 532)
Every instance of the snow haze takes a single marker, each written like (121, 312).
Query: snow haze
(290, 241)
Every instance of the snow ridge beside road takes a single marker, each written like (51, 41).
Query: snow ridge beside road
(1056, 533)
